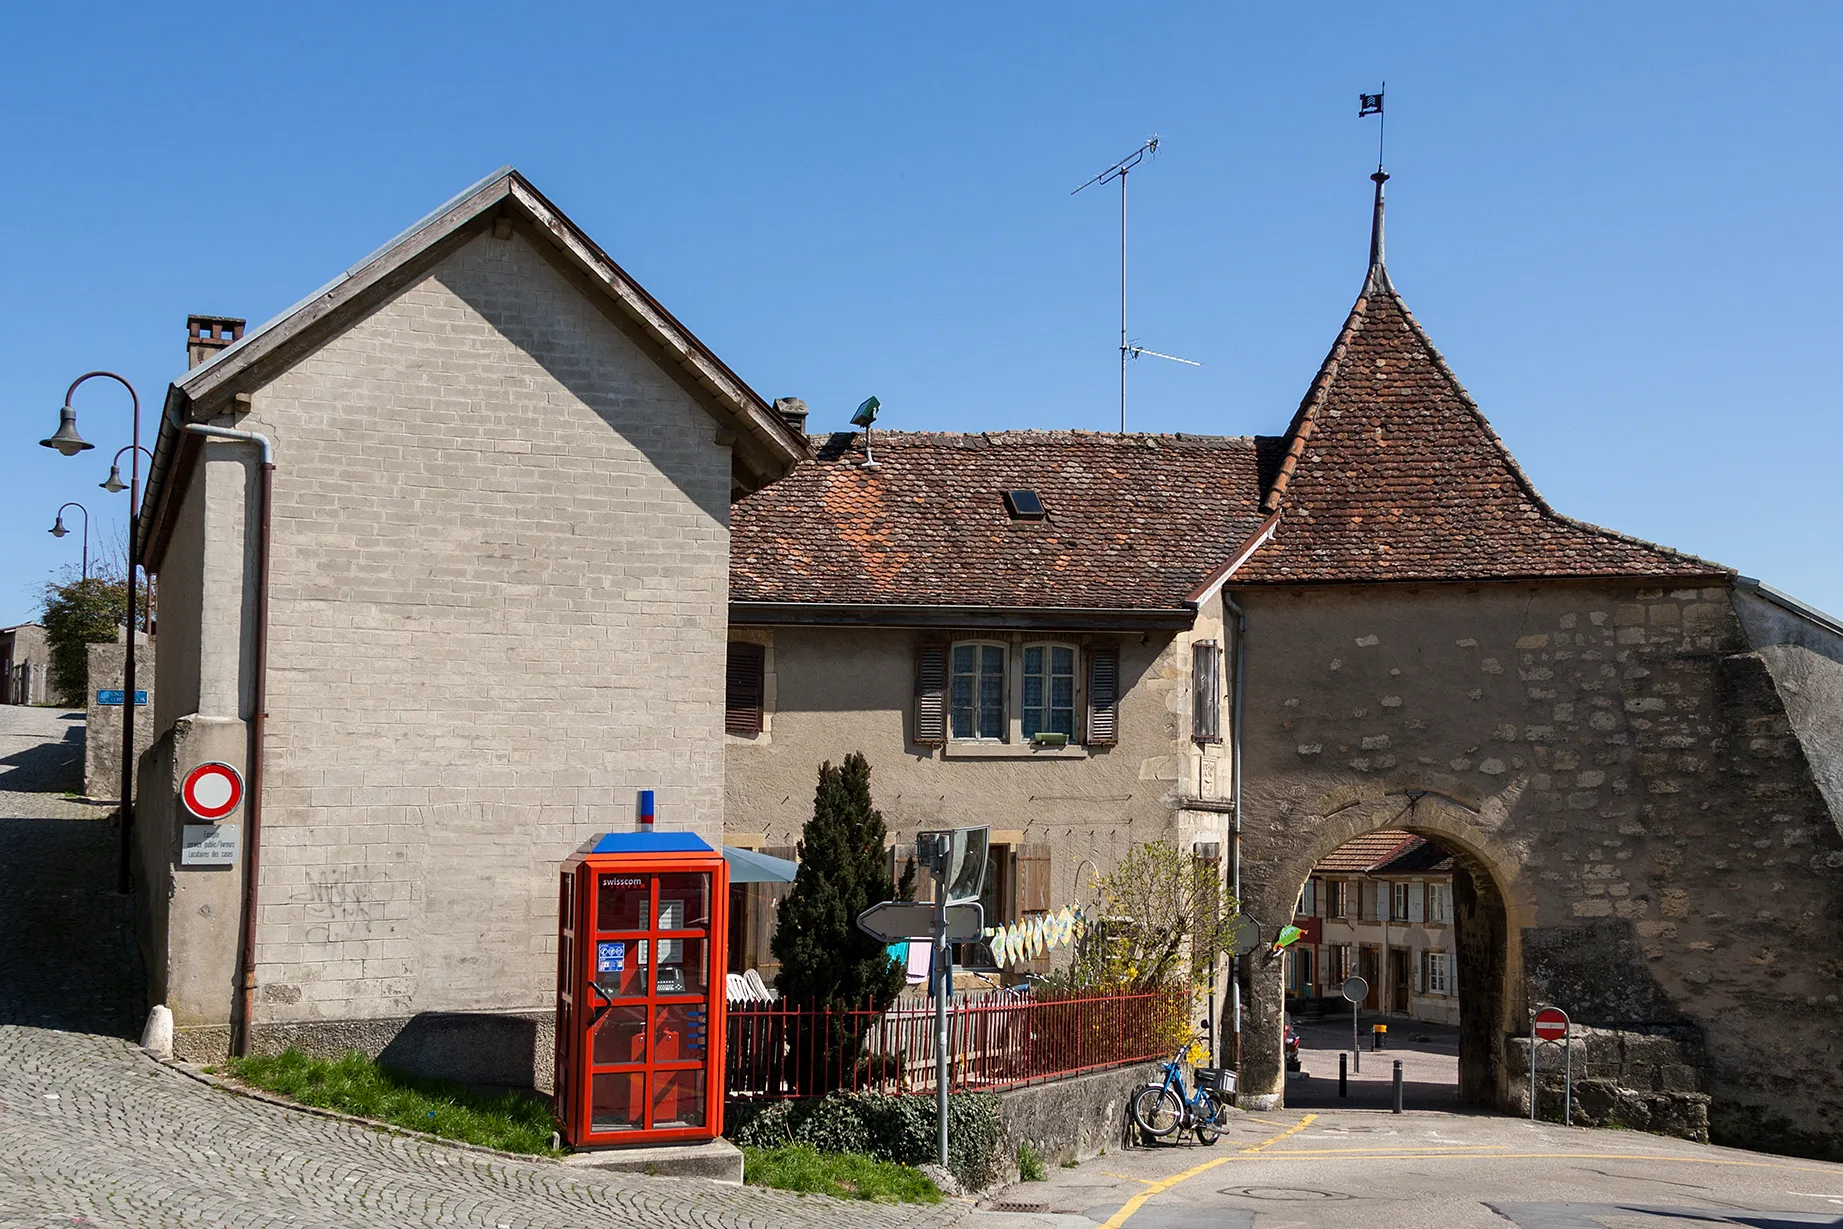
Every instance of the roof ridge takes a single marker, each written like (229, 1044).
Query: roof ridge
(1299, 431)
(1044, 434)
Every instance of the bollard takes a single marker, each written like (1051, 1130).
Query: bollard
(1343, 1074)
(1397, 1086)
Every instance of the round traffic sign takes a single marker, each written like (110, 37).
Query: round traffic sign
(1551, 1024)
(212, 790)
(1356, 989)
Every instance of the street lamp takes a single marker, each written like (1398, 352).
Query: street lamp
(58, 531)
(113, 484)
(66, 440)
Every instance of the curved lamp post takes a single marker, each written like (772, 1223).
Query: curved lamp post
(113, 484)
(58, 531)
(66, 440)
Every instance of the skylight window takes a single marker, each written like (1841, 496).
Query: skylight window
(1023, 505)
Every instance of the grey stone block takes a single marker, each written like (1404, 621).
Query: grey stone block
(719, 1161)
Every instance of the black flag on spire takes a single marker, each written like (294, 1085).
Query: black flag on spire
(1369, 104)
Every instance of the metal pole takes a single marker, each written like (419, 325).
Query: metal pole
(1532, 1068)
(1356, 1042)
(1343, 1075)
(941, 985)
(1567, 1078)
(1397, 1108)
(1123, 302)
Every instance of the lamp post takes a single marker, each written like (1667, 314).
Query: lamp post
(113, 484)
(58, 531)
(66, 440)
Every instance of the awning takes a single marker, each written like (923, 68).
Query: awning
(747, 866)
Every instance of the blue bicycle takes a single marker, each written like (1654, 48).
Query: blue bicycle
(1161, 1110)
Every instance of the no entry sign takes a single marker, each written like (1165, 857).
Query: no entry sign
(1551, 1024)
(212, 790)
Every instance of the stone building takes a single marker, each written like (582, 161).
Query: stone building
(1633, 756)
(497, 609)
(25, 665)
(1379, 908)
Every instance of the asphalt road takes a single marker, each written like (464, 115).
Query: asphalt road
(1428, 1170)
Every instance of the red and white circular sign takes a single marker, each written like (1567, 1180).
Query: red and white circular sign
(212, 790)
(1551, 1024)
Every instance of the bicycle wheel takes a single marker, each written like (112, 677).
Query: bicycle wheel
(1157, 1111)
(1208, 1116)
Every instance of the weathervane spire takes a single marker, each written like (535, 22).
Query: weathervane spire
(1371, 104)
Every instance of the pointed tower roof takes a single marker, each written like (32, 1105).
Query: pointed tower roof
(1390, 472)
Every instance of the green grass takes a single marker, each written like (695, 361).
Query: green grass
(353, 1084)
(1030, 1167)
(846, 1175)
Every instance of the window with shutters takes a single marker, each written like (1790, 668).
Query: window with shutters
(1337, 898)
(1049, 690)
(1398, 902)
(1308, 900)
(931, 694)
(1206, 691)
(1103, 694)
(744, 687)
(977, 691)
(1439, 903)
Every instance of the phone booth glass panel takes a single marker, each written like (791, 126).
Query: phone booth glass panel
(639, 1016)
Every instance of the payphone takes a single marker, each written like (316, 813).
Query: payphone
(642, 925)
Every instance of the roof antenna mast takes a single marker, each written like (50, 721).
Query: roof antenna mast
(1129, 350)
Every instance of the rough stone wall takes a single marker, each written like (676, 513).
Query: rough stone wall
(498, 609)
(838, 690)
(1627, 799)
(102, 743)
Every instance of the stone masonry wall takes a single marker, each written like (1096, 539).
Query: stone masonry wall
(1615, 768)
(498, 610)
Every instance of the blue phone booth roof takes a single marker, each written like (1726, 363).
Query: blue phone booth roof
(648, 842)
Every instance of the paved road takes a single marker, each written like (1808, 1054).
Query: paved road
(1354, 1169)
(92, 1132)
(1428, 1053)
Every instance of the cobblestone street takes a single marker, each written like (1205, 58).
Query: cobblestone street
(93, 1132)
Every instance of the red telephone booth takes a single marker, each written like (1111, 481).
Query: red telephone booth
(642, 923)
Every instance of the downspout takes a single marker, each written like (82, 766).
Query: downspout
(259, 705)
(1232, 1009)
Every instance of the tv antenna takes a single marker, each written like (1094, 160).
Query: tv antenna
(1128, 349)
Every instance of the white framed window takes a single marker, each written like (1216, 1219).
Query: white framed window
(1398, 902)
(1337, 898)
(1438, 976)
(1049, 690)
(1308, 899)
(1439, 902)
(977, 691)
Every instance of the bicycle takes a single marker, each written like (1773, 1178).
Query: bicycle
(1161, 1110)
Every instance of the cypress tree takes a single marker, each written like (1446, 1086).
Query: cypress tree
(826, 961)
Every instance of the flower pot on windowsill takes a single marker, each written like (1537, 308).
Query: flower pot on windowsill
(1049, 740)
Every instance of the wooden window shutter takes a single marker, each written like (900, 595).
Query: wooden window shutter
(931, 694)
(743, 687)
(1033, 879)
(1206, 687)
(1104, 695)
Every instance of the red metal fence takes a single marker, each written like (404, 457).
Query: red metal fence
(994, 1041)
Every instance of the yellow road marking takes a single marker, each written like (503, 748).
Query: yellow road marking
(1137, 1201)
(1421, 1154)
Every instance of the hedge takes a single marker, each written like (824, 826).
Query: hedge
(879, 1125)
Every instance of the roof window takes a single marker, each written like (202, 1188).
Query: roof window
(1023, 505)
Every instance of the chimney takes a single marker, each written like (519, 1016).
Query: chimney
(206, 335)
(793, 410)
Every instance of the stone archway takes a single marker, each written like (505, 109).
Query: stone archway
(1491, 906)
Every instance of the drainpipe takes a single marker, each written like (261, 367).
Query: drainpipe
(259, 705)
(1231, 1011)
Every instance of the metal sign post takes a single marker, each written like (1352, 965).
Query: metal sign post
(1551, 1026)
(955, 860)
(1355, 990)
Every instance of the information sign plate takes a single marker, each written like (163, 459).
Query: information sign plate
(209, 844)
(119, 695)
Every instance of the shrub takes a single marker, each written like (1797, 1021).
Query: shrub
(882, 1126)
(1030, 1167)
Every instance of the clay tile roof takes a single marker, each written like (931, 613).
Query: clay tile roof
(1418, 857)
(1390, 472)
(1362, 854)
(1135, 522)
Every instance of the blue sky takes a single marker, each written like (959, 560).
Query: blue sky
(1617, 221)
